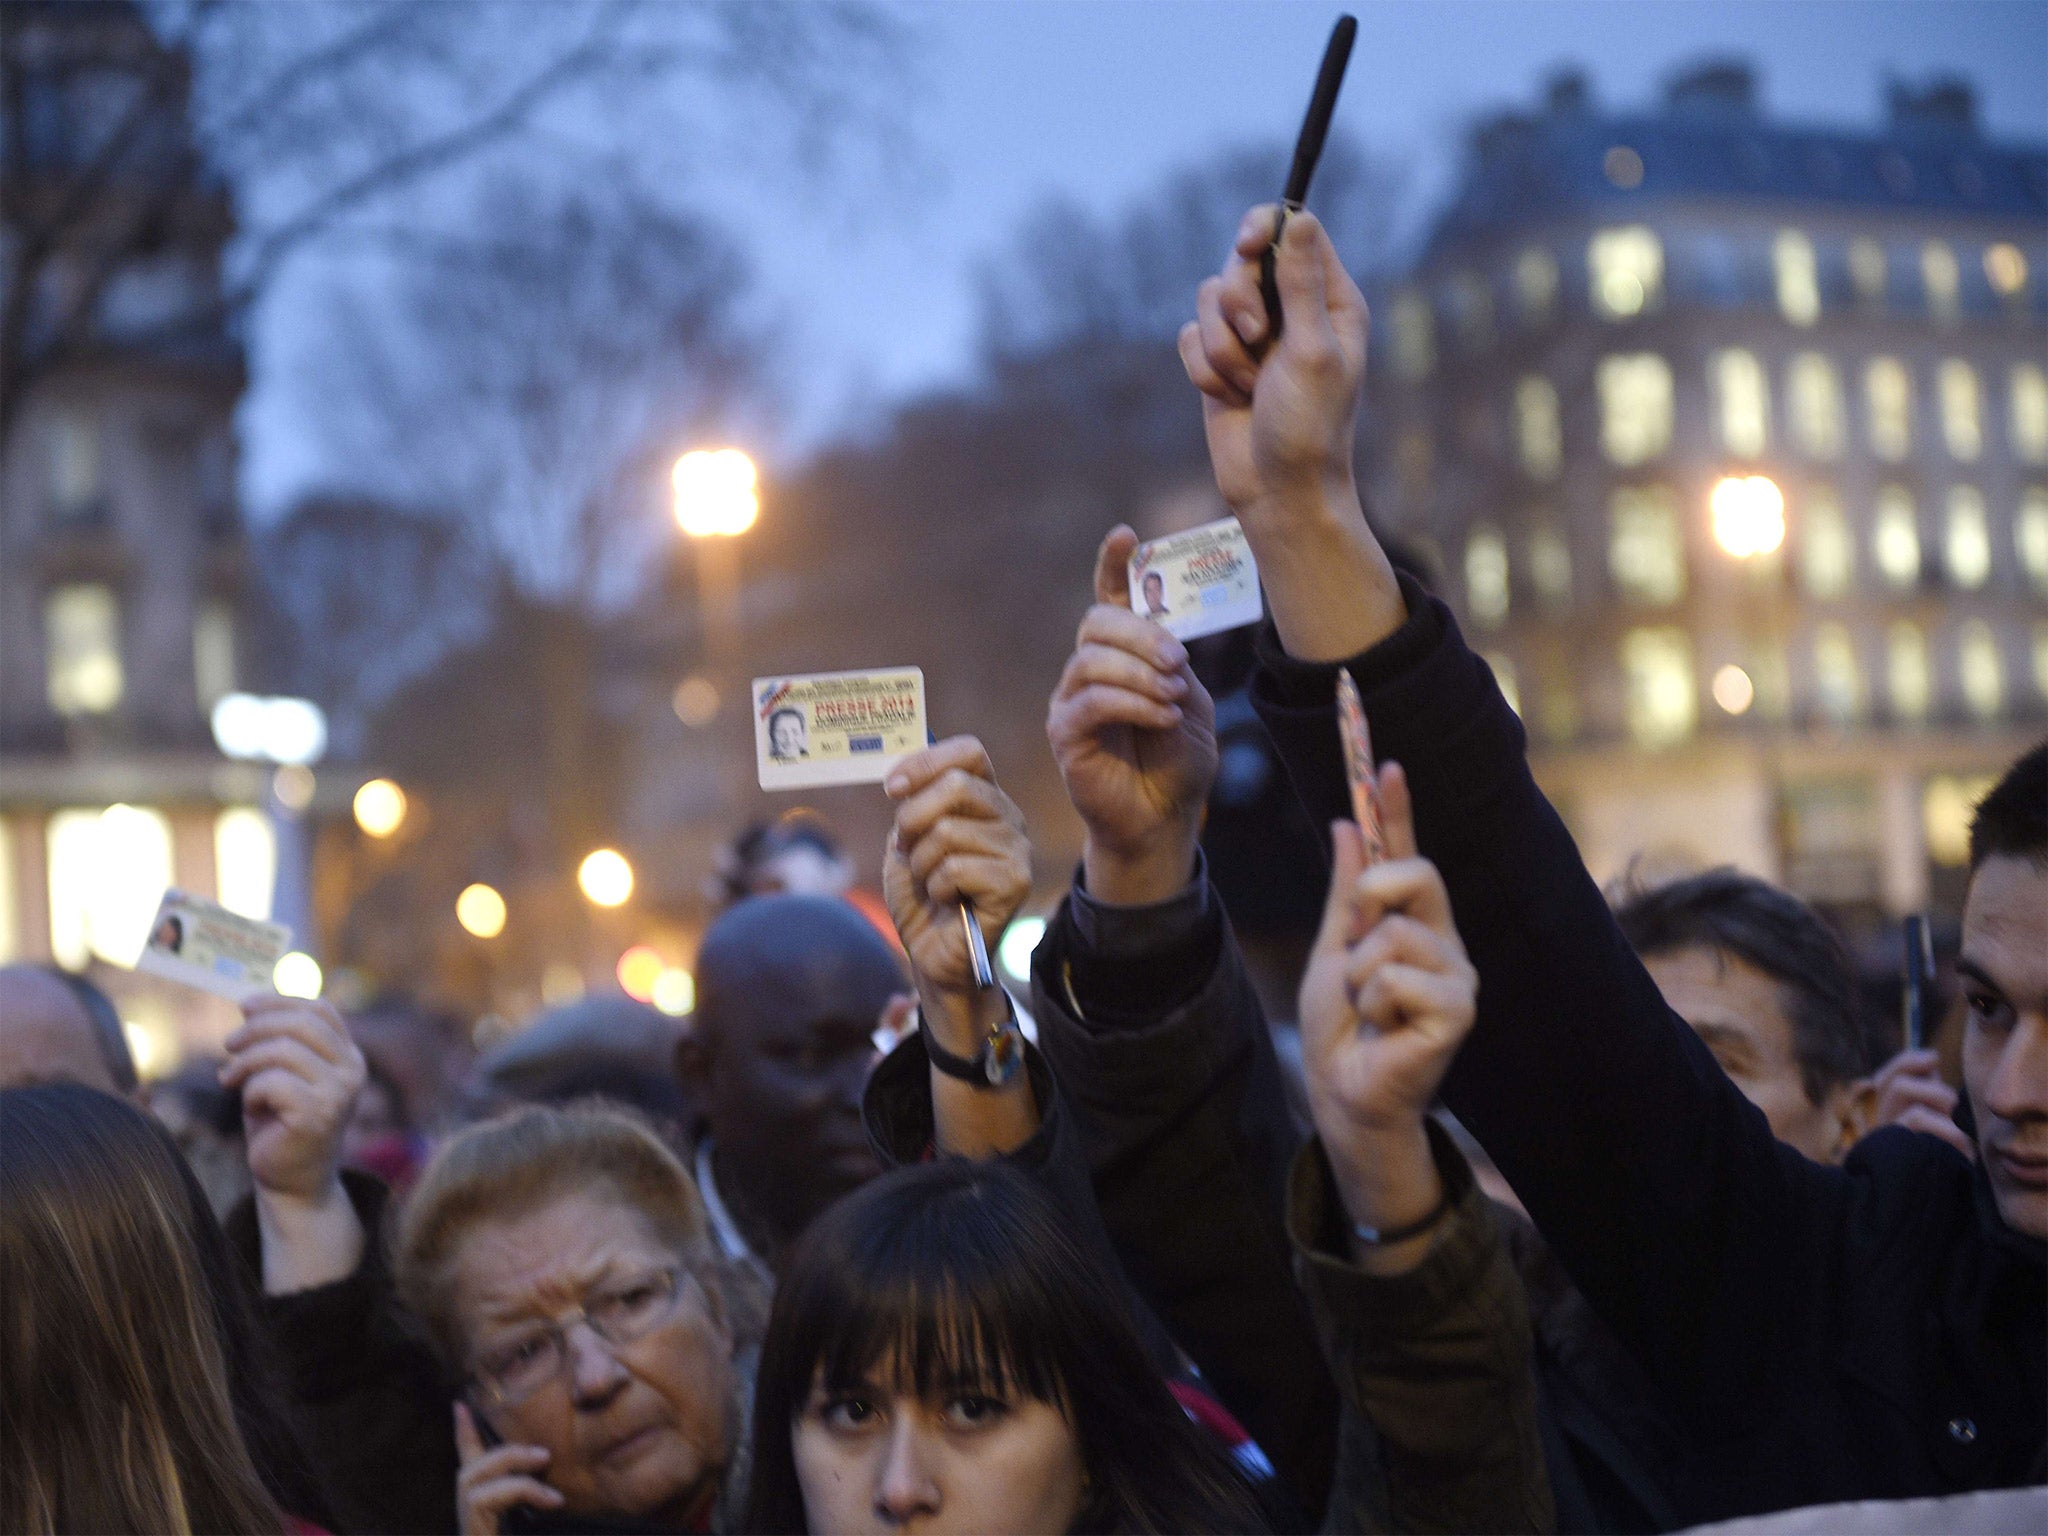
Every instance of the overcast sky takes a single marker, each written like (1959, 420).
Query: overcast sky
(1014, 100)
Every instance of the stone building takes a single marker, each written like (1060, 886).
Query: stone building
(1730, 438)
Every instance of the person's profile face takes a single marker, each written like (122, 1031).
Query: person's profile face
(170, 933)
(786, 734)
(2003, 972)
(1155, 593)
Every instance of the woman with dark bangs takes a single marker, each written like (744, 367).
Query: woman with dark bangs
(946, 1355)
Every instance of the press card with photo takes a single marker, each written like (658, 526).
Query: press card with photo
(1198, 582)
(199, 943)
(836, 727)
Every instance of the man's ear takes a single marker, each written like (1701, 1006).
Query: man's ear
(1852, 1108)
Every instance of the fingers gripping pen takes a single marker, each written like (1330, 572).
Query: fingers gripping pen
(1358, 769)
(970, 928)
(1308, 149)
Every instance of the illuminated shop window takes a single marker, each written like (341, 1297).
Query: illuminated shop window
(213, 653)
(1663, 701)
(108, 869)
(245, 861)
(1909, 675)
(2005, 269)
(1626, 270)
(1635, 407)
(1813, 392)
(1837, 677)
(2027, 410)
(1962, 422)
(1414, 336)
(1742, 402)
(1486, 576)
(1895, 537)
(1536, 284)
(1943, 279)
(1797, 275)
(82, 649)
(1827, 553)
(2030, 537)
(1550, 566)
(1888, 396)
(1981, 670)
(1867, 270)
(1966, 542)
(1539, 436)
(1645, 547)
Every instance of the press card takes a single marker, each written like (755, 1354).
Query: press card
(1198, 582)
(199, 943)
(836, 727)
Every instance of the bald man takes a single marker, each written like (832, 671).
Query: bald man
(790, 990)
(57, 1026)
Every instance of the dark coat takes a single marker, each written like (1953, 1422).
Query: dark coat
(1868, 1331)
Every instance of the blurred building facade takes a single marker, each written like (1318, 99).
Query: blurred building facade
(122, 558)
(1730, 439)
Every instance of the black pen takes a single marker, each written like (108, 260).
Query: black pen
(1308, 149)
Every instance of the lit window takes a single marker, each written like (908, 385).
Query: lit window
(1504, 676)
(2029, 413)
(2005, 269)
(1867, 270)
(1943, 279)
(1550, 566)
(1536, 283)
(1645, 552)
(213, 653)
(1888, 394)
(1798, 279)
(245, 861)
(1635, 407)
(1537, 431)
(74, 465)
(1771, 676)
(1966, 546)
(1626, 267)
(10, 936)
(2030, 537)
(1981, 670)
(1827, 555)
(1837, 679)
(1895, 536)
(82, 646)
(1486, 576)
(2041, 660)
(1909, 675)
(1742, 402)
(1947, 808)
(1814, 397)
(1663, 702)
(108, 870)
(1471, 304)
(1557, 704)
(1962, 424)
(1414, 337)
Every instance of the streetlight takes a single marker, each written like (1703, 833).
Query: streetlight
(481, 911)
(606, 877)
(718, 498)
(380, 807)
(1749, 515)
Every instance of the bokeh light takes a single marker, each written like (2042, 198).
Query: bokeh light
(481, 911)
(380, 808)
(640, 970)
(1733, 690)
(298, 975)
(717, 493)
(606, 877)
(1749, 515)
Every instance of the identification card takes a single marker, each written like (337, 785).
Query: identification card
(199, 943)
(836, 727)
(1197, 583)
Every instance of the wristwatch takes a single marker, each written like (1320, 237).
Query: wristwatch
(998, 1059)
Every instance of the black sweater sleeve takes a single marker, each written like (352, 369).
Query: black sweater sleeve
(1703, 1242)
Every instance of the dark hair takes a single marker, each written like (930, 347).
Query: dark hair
(2012, 820)
(1736, 914)
(138, 1395)
(956, 1272)
(107, 1032)
(765, 841)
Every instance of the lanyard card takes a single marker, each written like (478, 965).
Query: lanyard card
(836, 727)
(199, 943)
(1197, 583)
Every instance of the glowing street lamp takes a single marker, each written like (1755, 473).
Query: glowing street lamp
(380, 807)
(606, 877)
(717, 493)
(1749, 515)
(481, 911)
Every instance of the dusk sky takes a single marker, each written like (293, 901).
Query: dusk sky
(1098, 99)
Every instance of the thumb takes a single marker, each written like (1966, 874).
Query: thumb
(1347, 863)
(1112, 567)
(1304, 285)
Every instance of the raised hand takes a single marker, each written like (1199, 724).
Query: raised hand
(1134, 733)
(1908, 1090)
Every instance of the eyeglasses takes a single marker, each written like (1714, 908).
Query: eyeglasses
(618, 1314)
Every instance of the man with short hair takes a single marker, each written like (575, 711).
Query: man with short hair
(56, 1025)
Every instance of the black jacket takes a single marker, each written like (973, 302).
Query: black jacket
(1868, 1331)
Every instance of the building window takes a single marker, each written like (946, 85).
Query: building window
(1503, 666)
(1538, 433)
(1814, 397)
(1626, 270)
(1867, 270)
(1550, 566)
(1645, 550)
(213, 653)
(1981, 670)
(2005, 269)
(1827, 555)
(1771, 675)
(1663, 703)
(1962, 423)
(1798, 277)
(1742, 402)
(1536, 284)
(1635, 407)
(1966, 544)
(245, 861)
(1486, 576)
(1888, 395)
(10, 931)
(74, 463)
(108, 870)
(1414, 336)
(82, 649)
(1943, 279)
(2030, 537)
(1909, 676)
(1947, 808)
(1895, 537)
(2028, 409)
(1837, 679)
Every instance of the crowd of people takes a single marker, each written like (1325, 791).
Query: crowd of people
(1567, 1213)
